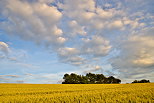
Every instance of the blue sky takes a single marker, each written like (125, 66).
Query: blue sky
(41, 40)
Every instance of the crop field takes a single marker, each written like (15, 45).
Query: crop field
(77, 93)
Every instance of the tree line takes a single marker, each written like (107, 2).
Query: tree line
(89, 78)
(141, 81)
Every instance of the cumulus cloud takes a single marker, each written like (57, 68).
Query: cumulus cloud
(96, 46)
(33, 21)
(89, 48)
(67, 51)
(76, 28)
(117, 24)
(88, 15)
(97, 16)
(93, 68)
(137, 55)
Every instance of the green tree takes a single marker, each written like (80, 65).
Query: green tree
(100, 78)
(141, 81)
(90, 78)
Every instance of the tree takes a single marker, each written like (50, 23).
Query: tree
(145, 81)
(118, 81)
(135, 81)
(100, 78)
(89, 78)
(66, 78)
(141, 81)
(111, 80)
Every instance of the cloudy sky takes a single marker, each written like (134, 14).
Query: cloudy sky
(41, 40)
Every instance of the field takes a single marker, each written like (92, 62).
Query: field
(77, 93)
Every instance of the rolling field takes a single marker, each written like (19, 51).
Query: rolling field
(77, 93)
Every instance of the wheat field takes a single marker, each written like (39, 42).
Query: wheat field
(77, 93)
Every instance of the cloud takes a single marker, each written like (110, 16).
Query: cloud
(8, 78)
(33, 21)
(76, 28)
(15, 56)
(12, 76)
(13, 59)
(97, 16)
(137, 55)
(27, 65)
(5, 51)
(93, 69)
(4, 48)
(89, 49)
(4, 80)
(67, 51)
(87, 14)
(96, 46)
(11, 54)
(117, 24)
(74, 60)
(70, 56)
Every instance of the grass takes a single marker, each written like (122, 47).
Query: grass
(77, 93)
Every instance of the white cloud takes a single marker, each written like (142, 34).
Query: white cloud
(74, 60)
(76, 28)
(137, 55)
(34, 21)
(92, 17)
(117, 24)
(105, 14)
(93, 68)
(96, 46)
(89, 48)
(61, 40)
(67, 51)
(4, 48)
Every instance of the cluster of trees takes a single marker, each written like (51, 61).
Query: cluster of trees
(141, 81)
(89, 78)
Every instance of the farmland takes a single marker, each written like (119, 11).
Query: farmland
(77, 93)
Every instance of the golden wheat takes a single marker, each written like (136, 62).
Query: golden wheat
(77, 93)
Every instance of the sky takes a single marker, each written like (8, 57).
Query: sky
(41, 40)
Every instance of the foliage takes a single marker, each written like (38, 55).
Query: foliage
(77, 93)
(89, 78)
(141, 81)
